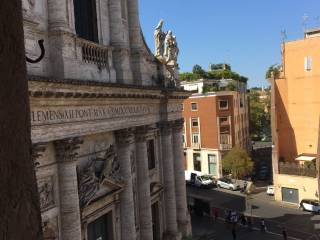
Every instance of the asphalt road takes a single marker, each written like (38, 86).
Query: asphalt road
(299, 225)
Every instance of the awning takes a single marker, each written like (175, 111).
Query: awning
(305, 158)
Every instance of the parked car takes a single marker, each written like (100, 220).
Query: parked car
(310, 205)
(199, 179)
(270, 190)
(227, 184)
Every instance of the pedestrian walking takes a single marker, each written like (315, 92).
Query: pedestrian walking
(263, 227)
(234, 233)
(216, 214)
(284, 233)
(228, 216)
(250, 224)
(243, 220)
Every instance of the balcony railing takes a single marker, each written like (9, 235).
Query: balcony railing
(195, 145)
(295, 169)
(94, 53)
(225, 146)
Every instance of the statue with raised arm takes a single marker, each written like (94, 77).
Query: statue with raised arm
(159, 37)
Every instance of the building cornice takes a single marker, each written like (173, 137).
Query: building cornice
(72, 88)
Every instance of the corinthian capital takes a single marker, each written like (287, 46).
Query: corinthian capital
(165, 127)
(178, 125)
(66, 149)
(125, 136)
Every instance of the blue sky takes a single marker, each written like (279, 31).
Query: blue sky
(244, 33)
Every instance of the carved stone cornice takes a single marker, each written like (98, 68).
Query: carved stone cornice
(36, 152)
(66, 149)
(125, 136)
(66, 88)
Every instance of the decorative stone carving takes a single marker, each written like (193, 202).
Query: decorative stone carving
(166, 51)
(125, 136)
(171, 49)
(45, 188)
(28, 5)
(178, 125)
(95, 173)
(159, 37)
(165, 127)
(36, 152)
(50, 229)
(66, 149)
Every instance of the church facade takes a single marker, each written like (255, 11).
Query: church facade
(106, 120)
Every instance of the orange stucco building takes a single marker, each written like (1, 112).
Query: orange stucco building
(295, 119)
(214, 123)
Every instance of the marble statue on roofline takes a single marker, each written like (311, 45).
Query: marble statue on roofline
(159, 37)
(167, 51)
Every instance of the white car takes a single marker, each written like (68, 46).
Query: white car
(270, 190)
(198, 179)
(310, 205)
(227, 184)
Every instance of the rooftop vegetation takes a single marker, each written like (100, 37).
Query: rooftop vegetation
(217, 72)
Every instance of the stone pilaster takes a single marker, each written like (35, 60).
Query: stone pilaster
(68, 188)
(145, 213)
(180, 186)
(120, 40)
(134, 24)
(60, 16)
(169, 181)
(125, 139)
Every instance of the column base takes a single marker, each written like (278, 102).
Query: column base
(185, 228)
(172, 236)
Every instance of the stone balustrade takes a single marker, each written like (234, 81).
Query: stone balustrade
(95, 53)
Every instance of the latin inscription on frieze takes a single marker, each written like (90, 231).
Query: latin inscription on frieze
(55, 115)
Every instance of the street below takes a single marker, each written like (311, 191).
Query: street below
(299, 224)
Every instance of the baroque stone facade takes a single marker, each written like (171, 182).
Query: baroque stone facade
(106, 128)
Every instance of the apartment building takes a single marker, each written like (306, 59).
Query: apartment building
(295, 110)
(215, 122)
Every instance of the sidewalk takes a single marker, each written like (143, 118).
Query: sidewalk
(202, 228)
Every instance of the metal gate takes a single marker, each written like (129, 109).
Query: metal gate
(290, 195)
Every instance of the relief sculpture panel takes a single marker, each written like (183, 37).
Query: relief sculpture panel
(45, 188)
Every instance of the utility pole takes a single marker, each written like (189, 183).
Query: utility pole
(19, 202)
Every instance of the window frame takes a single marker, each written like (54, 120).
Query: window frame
(307, 63)
(194, 104)
(194, 120)
(223, 122)
(193, 137)
(223, 108)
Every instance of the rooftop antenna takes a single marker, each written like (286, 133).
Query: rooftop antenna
(305, 19)
(283, 35)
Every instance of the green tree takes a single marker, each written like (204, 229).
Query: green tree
(237, 162)
(259, 114)
(231, 86)
(186, 76)
(198, 71)
(275, 69)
